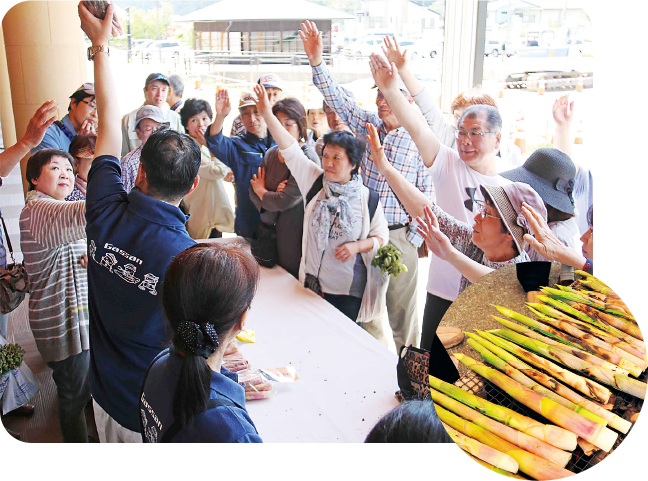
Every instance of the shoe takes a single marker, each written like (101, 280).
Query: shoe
(25, 410)
(449, 336)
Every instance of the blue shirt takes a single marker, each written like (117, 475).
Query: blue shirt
(132, 238)
(56, 138)
(222, 424)
(243, 155)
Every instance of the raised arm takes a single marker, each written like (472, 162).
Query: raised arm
(223, 108)
(563, 114)
(55, 222)
(109, 138)
(385, 76)
(440, 245)
(413, 199)
(398, 57)
(280, 135)
(42, 119)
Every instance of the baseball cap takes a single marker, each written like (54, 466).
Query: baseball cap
(508, 201)
(246, 100)
(150, 112)
(86, 90)
(271, 80)
(156, 76)
(551, 173)
(399, 83)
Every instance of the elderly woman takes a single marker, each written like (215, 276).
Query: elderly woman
(274, 191)
(338, 224)
(208, 205)
(53, 241)
(82, 150)
(552, 248)
(495, 240)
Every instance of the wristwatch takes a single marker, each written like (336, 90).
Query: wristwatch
(95, 49)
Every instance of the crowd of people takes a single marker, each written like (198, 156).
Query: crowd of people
(116, 204)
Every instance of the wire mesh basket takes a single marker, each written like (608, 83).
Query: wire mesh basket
(624, 405)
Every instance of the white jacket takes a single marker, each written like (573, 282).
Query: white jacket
(305, 173)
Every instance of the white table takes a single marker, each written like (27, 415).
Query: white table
(347, 379)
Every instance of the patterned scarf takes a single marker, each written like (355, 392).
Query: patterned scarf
(336, 201)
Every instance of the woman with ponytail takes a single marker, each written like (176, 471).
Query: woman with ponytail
(187, 396)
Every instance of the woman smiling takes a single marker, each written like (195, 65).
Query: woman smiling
(53, 241)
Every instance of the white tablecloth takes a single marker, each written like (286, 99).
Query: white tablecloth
(347, 379)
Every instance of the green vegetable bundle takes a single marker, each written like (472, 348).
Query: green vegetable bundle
(11, 357)
(389, 260)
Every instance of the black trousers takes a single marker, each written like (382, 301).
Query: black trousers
(347, 305)
(441, 365)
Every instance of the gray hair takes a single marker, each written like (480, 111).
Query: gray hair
(176, 83)
(493, 117)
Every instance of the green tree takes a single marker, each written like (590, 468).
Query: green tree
(144, 23)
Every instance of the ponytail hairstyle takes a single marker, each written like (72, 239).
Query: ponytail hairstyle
(207, 289)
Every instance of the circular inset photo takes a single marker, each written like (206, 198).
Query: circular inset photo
(552, 376)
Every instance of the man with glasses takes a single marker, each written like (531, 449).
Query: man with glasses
(149, 119)
(80, 119)
(457, 176)
(156, 90)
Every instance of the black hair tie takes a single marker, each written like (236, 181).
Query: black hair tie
(201, 340)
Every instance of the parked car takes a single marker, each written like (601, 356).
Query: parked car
(363, 47)
(163, 46)
(492, 48)
(420, 48)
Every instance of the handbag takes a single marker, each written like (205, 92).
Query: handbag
(264, 245)
(412, 373)
(14, 283)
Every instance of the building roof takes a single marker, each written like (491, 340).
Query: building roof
(242, 10)
(536, 4)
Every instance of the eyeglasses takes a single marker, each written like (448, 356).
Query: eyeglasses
(92, 104)
(481, 210)
(288, 123)
(461, 134)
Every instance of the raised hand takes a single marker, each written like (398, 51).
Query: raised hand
(200, 137)
(563, 111)
(38, 124)
(98, 31)
(392, 51)
(385, 75)
(223, 105)
(258, 183)
(262, 101)
(377, 152)
(88, 127)
(437, 241)
(313, 45)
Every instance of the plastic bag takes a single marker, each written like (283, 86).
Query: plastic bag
(17, 387)
(374, 298)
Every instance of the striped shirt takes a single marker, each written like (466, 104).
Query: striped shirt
(53, 240)
(398, 146)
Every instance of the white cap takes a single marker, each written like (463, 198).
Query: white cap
(271, 80)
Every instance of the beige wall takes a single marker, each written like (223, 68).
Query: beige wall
(6, 112)
(45, 55)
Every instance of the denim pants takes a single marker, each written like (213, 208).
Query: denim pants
(72, 379)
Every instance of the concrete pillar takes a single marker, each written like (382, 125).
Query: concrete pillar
(6, 112)
(46, 57)
(459, 50)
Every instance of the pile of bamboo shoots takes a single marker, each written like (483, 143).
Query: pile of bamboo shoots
(560, 365)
